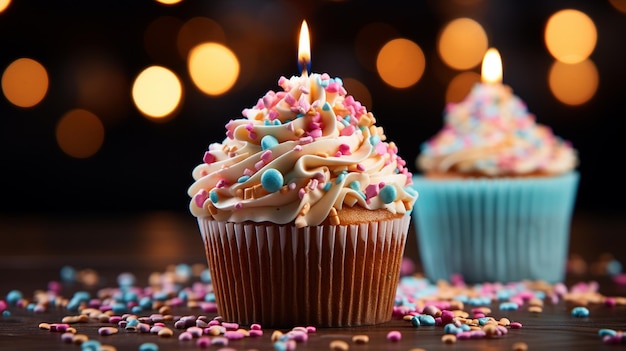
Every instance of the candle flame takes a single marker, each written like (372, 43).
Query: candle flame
(491, 70)
(304, 50)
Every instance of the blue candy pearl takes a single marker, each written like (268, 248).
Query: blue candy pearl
(272, 180)
(388, 194)
(268, 142)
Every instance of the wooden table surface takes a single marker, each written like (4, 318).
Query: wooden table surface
(33, 251)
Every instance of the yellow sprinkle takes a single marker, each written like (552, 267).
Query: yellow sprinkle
(360, 339)
(80, 338)
(339, 345)
(520, 346)
(299, 132)
(165, 332)
(448, 339)
(535, 309)
(276, 335)
(45, 326)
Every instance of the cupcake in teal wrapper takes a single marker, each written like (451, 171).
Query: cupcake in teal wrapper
(497, 193)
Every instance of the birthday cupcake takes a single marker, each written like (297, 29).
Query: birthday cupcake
(304, 209)
(497, 192)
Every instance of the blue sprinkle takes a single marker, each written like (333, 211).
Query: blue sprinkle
(68, 274)
(580, 312)
(355, 185)
(14, 296)
(119, 307)
(126, 279)
(148, 346)
(132, 322)
(90, 345)
(6, 313)
(415, 321)
(607, 332)
(209, 297)
(326, 107)
(465, 327)
(508, 306)
(613, 267)
(213, 196)
(426, 319)
(276, 122)
(388, 194)
(451, 329)
(374, 139)
(341, 177)
(327, 186)
(205, 276)
(280, 346)
(268, 142)
(483, 320)
(30, 307)
(272, 180)
(243, 178)
(136, 309)
(145, 303)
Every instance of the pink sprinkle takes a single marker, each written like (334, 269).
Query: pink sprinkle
(259, 165)
(267, 101)
(267, 155)
(313, 184)
(305, 140)
(345, 149)
(394, 336)
(610, 302)
(221, 183)
(208, 157)
(248, 172)
(290, 100)
(230, 326)
(185, 336)
(238, 205)
(200, 197)
(233, 335)
(291, 186)
(360, 167)
(273, 115)
(255, 326)
(515, 325)
(252, 135)
(315, 133)
(297, 148)
(347, 131)
(203, 342)
(250, 127)
(371, 191)
(311, 329)
(301, 193)
(255, 332)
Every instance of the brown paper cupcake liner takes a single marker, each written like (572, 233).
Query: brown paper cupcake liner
(325, 276)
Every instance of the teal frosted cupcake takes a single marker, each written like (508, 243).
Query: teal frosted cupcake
(497, 192)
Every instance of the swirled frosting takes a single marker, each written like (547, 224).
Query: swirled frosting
(491, 133)
(300, 155)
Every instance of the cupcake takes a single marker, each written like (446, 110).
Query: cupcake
(497, 192)
(304, 210)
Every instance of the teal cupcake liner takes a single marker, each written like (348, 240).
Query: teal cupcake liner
(495, 230)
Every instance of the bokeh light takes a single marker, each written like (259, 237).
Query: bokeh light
(169, 2)
(157, 92)
(80, 133)
(401, 63)
(359, 91)
(4, 4)
(575, 83)
(213, 68)
(619, 5)
(460, 86)
(570, 36)
(196, 31)
(101, 86)
(462, 43)
(25, 82)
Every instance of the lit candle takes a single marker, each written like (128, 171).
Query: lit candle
(491, 70)
(304, 50)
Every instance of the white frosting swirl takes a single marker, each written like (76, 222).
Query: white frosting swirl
(492, 133)
(299, 155)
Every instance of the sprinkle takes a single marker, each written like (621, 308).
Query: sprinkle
(388, 194)
(339, 345)
(394, 336)
(360, 339)
(268, 142)
(580, 312)
(148, 346)
(208, 157)
(272, 180)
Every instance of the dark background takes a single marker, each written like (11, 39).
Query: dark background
(145, 166)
